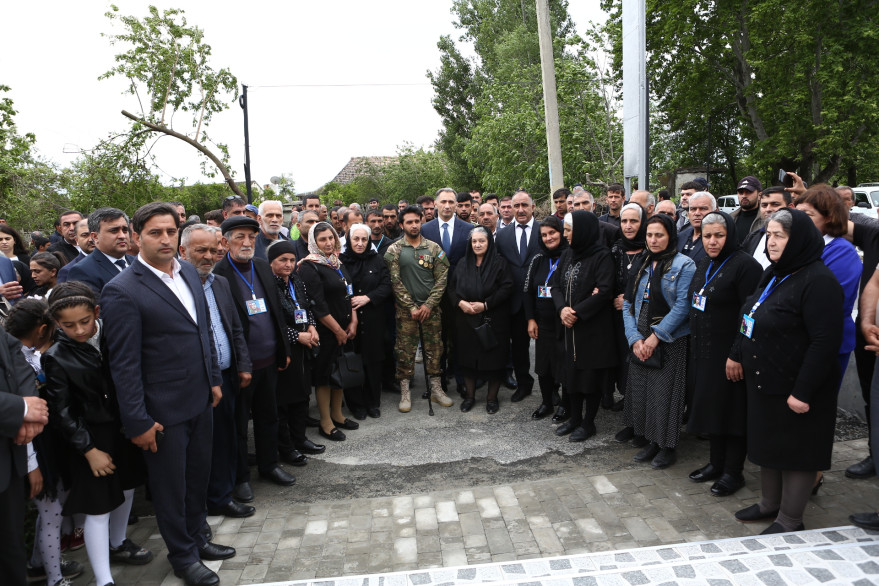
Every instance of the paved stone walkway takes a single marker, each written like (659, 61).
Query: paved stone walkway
(569, 514)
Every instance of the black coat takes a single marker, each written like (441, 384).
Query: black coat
(232, 326)
(718, 405)
(327, 289)
(294, 382)
(793, 351)
(508, 248)
(548, 348)
(586, 344)
(371, 278)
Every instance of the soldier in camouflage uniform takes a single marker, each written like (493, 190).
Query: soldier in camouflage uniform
(419, 269)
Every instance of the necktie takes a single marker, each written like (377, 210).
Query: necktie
(446, 243)
(523, 244)
(121, 264)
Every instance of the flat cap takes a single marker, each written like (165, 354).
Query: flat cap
(234, 222)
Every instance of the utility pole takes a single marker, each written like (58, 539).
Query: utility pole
(242, 101)
(550, 99)
(635, 95)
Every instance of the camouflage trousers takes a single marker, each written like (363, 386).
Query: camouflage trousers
(407, 343)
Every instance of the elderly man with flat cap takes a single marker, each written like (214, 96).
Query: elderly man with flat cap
(259, 309)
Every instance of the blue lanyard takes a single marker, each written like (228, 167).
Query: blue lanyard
(711, 278)
(552, 267)
(246, 282)
(772, 286)
(379, 245)
(649, 279)
(293, 292)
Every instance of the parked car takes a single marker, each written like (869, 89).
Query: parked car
(728, 203)
(866, 199)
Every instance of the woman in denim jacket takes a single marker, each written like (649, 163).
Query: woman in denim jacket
(656, 319)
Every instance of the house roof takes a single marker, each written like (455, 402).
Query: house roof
(358, 166)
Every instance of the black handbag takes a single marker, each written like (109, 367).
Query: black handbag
(485, 335)
(347, 371)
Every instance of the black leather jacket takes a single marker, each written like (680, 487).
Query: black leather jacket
(79, 390)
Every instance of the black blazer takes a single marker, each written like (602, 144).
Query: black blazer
(232, 325)
(509, 250)
(697, 253)
(163, 363)
(16, 381)
(65, 270)
(458, 249)
(263, 272)
(96, 270)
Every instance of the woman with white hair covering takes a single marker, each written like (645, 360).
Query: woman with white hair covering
(372, 291)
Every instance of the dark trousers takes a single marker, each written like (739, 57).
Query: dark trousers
(521, 351)
(865, 361)
(291, 425)
(259, 401)
(13, 558)
(372, 384)
(178, 476)
(225, 453)
(728, 453)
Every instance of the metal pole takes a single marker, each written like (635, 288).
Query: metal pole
(242, 101)
(550, 99)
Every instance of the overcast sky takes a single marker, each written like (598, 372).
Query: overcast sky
(53, 53)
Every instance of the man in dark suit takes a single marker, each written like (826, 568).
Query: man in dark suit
(109, 231)
(259, 309)
(164, 366)
(198, 246)
(518, 243)
(86, 246)
(22, 417)
(67, 246)
(451, 233)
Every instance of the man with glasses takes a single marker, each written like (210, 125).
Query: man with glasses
(747, 217)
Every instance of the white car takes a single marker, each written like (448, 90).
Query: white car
(866, 199)
(728, 203)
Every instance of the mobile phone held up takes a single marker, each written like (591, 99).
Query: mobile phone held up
(785, 179)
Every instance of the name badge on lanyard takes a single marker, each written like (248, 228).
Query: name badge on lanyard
(544, 292)
(747, 328)
(301, 316)
(699, 298)
(256, 306)
(647, 288)
(698, 302)
(349, 288)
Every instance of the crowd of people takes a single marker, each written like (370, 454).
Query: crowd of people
(139, 350)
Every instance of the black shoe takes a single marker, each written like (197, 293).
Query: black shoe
(863, 469)
(198, 574)
(648, 453)
(779, 528)
(865, 520)
(231, 509)
(243, 493)
(727, 485)
(541, 412)
(510, 382)
(279, 476)
(618, 406)
(492, 407)
(639, 441)
(131, 553)
(347, 424)
(566, 428)
(359, 414)
(214, 551)
(334, 434)
(581, 434)
(706, 473)
(311, 421)
(753, 513)
(625, 434)
(309, 447)
(467, 405)
(519, 395)
(561, 415)
(294, 457)
(462, 392)
(374, 412)
(206, 531)
(665, 458)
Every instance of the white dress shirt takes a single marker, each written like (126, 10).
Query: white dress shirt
(451, 224)
(176, 284)
(114, 260)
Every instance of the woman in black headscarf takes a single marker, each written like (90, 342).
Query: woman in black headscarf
(789, 338)
(628, 252)
(582, 290)
(372, 290)
(543, 319)
(480, 292)
(656, 320)
(723, 280)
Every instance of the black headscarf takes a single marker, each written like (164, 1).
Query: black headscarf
(585, 234)
(475, 283)
(732, 240)
(639, 242)
(556, 224)
(353, 261)
(804, 246)
(658, 305)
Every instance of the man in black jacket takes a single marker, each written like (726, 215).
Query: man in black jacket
(259, 309)
(67, 246)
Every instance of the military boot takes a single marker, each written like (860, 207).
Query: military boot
(437, 395)
(405, 399)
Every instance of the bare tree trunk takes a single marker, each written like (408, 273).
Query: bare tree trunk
(201, 148)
